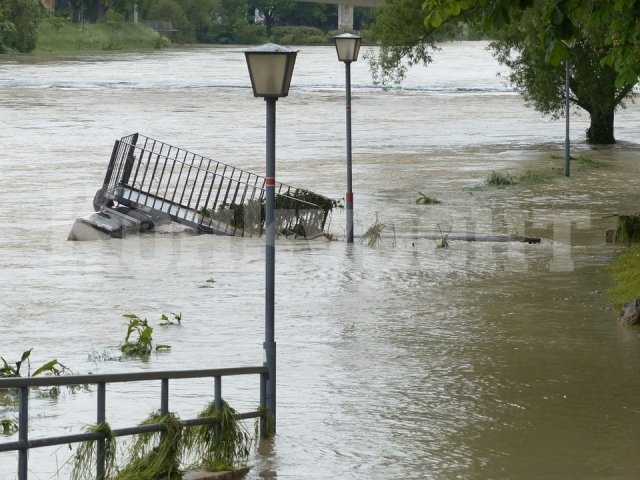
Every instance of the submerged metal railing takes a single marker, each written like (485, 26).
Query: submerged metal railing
(24, 384)
(213, 197)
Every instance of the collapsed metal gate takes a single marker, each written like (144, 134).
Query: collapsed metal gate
(169, 183)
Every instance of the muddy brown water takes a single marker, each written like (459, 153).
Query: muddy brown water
(400, 361)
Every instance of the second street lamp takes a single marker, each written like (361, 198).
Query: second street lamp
(347, 48)
(270, 68)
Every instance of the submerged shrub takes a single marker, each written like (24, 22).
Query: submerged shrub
(426, 200)
(497, 179)
(627, 229)
(138, 341)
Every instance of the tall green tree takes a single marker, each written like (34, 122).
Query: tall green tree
(534, 38)
(273, 10)
(19, 21)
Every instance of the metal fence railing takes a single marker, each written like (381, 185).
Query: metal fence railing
(23, 385)
(213, 197)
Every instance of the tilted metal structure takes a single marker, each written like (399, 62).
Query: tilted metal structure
(168, 183)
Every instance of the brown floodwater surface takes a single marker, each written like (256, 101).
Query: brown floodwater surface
(400, 361)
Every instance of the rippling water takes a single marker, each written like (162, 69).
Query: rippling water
(401, 361)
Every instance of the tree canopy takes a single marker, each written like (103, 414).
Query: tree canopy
(534, 38)
(19, 20)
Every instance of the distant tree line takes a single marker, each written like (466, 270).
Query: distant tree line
(212, 21)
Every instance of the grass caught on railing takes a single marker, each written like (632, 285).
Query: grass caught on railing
(86, 457)
(156, 455)
(224, 445)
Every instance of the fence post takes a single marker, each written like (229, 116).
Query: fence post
(164, 397)
(100, 419)
(263, 405)
(129, 160)
(23, 433)
(217, 402)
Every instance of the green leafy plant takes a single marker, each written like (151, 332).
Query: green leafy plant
(11, 371)
(224, 445)
(374, 233)
(8, 426)
(53, 367)
(155, 455)
(85, 457)
(166, 321)
(426, 200)
(138, 341)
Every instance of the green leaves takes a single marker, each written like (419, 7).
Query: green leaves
(426, 200)
(138, 342)
(53, 367)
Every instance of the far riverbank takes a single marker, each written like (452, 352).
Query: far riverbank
(63, 37)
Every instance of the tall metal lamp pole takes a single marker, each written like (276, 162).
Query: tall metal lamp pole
(567, 156)
(567, 91)
(347, 47)
(270, 68)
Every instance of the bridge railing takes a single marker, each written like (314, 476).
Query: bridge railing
(23, 385)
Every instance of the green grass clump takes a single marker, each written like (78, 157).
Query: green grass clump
(224, 445)
(536, 177)
(586, 161)
(155, 455)
(85, 458)
(373, 234)
(426, 200)
(624, 270)
(54, 36)
(627, 229)
(497, 179)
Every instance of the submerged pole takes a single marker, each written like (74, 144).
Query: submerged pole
(270, 254)
(567, 156)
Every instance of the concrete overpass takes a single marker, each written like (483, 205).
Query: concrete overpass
(345, 10)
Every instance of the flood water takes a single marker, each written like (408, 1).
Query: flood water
(397, 361)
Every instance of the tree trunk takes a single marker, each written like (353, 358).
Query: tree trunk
(600, 132)
(76, 11)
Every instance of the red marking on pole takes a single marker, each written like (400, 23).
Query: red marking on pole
(270, 182)
(348, 108)
(350, 197)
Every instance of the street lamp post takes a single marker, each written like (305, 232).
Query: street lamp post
(270, 68)
(567, 157)
(569, 44)
(347, 47)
